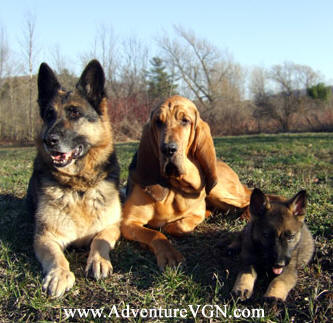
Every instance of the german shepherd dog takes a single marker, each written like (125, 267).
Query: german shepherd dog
(73, 191)
(276, 240)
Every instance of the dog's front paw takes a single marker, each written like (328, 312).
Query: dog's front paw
(58, 281)
(242, 292)
(273, 300)
(243, 287)
(98, 267)
(166, 254)
(276, 291)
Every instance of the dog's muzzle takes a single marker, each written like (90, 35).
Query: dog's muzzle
(62, 159)
(63, 154)
(169, 149)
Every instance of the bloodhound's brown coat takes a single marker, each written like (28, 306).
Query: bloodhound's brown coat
(172, 176)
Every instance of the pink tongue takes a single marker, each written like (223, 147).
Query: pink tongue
(60, 156)
(277, 271)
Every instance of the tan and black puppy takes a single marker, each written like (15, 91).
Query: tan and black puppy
(172, 175)
(73, 191)
(275, 240)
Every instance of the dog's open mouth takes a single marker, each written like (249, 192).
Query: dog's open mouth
(277, 270)
(61, 159)
(172, 170)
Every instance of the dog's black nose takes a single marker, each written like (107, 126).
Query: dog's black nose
(52, 139)
(280, 263)
(169, 149)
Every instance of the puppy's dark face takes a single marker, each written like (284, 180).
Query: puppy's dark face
(276, 228)
(71, 119)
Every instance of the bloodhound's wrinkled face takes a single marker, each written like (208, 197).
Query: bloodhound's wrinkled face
(173, 127)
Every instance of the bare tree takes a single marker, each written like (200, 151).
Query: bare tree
(4, 54)
(291, 81)
(62, 66)
(280, 92)
(129, 86)
(259, 86)
(9, 91)
(209, 74)
(290, 77)
(108, 51)
(59, 61)
(135, 58)
(125, 63)
(30, 51)
(105, 48)
(4, 57)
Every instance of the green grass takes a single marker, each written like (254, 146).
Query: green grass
(281, 164)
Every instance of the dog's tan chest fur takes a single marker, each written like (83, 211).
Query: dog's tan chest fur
(175, 206)
(74, 217)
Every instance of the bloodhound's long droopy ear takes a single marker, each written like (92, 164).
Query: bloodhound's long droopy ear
(146, 172)
(204, 152)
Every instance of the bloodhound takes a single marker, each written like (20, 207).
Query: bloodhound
(172, 176)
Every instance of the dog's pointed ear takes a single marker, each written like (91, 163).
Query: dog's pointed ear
(92, 84)
(146, 171)
(203, 151)
(48, 86)
(297, 205)
(259, 203)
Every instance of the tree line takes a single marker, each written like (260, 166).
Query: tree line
(233, 100)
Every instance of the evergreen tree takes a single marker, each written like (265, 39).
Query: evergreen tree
(320, 91)
(160, 83)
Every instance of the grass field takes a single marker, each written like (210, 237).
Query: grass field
(281, 164)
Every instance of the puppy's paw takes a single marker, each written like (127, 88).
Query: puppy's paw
(272, 300)
(58, 281)
(98, 267)
(166, 254)
(243, 287)
(276, 291)
(242, 292)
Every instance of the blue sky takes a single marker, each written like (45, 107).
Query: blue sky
(255, 32)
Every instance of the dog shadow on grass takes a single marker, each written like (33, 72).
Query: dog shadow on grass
(206, 259)
(16, 234)
(136, 275)
(16, 223)
(207, 262)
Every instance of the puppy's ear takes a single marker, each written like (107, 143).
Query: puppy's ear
(92, 84)
(203, 151)
(48, 86)
(297, 205)
(259, 203)
(146, 171)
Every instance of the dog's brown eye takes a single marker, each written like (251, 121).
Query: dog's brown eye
(159, 123)
(74, 113)
(185, 121)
